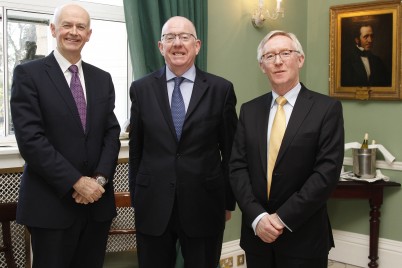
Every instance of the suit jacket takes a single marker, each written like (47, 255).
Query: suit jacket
(306, 172)
(192, 172)
(54, 146)
(354, 74)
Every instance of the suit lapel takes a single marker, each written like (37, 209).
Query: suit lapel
(57, 77)
(262, 130)
(90, 93)
(161, 94)
(199, 89)
(300, 110)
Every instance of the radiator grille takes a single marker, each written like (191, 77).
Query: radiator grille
(9, 185)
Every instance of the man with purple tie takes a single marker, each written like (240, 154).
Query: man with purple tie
(68, 135)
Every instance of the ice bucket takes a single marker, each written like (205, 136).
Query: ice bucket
(364, 161)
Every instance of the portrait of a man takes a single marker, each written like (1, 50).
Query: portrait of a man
(366, 52)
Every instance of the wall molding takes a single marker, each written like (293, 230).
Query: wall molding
(10, 156)
(232, 255)
(350, 248)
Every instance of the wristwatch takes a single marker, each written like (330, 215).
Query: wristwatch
(101, 180)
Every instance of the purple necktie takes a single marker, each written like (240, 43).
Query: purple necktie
(177, 107)
(78, 94)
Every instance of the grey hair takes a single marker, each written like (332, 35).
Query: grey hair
(296, 43)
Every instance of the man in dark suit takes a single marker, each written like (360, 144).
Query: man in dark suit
(179, 174)
(360, 67)
(66, 196)
(289, 227)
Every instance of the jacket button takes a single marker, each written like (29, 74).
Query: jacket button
(178, 155)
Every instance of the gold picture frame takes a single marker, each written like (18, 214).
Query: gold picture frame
(375, 73)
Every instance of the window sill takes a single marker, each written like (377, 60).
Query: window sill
(10, 156)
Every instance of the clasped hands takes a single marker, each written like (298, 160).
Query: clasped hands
(269, 228)
(87, 190)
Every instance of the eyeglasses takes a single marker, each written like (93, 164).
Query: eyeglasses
(171, 37)
(284, 55)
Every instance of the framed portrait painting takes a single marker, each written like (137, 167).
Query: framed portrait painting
(365, 51)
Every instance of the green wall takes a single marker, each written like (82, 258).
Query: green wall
(381, 119)
(232, 45)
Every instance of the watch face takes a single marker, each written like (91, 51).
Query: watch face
(101, 180)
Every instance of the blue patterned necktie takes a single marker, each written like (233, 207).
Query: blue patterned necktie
(78, 94)
(177, 107)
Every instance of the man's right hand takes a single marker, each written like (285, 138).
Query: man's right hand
(269, 228)
(87, 190)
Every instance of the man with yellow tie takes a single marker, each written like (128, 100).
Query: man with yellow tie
(286, 161)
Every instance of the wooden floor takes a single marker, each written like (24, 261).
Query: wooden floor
(334, 264)
(129, 260)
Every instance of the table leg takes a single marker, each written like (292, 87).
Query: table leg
(374, 232)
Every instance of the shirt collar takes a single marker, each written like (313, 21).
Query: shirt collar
(64, 63)
(188, 75)
(290, 96)
(360, 48)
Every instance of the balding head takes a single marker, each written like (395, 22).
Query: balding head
(67, 8)
(178, 22)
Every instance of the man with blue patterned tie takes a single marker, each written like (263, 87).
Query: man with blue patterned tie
(179, 168)
(68, 135)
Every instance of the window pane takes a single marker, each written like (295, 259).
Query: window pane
(107, 49)
(27, 39)
(2, 99)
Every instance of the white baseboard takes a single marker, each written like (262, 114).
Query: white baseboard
(350, 248)
(353, 248)
(232, 255)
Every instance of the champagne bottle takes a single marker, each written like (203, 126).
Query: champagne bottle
(365, 142)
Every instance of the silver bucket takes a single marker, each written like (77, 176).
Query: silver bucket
(364, 161)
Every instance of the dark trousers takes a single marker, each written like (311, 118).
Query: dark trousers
(81, 245)
(274, 260)
(160, 251)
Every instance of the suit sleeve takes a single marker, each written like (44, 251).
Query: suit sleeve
(324, 177)
(111, 143)
(240, 176)
(136, 141)
(227, 132)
